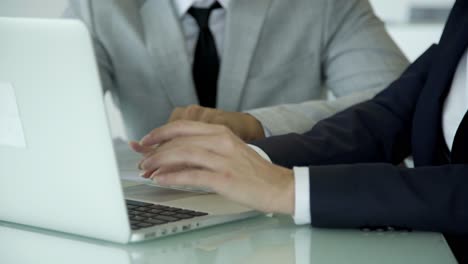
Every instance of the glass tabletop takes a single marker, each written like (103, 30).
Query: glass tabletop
(258, 240)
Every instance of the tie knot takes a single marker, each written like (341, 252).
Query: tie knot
(202, 15)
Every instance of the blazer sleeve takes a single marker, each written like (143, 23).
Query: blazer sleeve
(366, 189)
(358, 60)
(382, 195)
(378, 130)
(82, 10)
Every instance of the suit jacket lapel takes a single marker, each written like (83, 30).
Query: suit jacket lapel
(243, 27)
(166, 46)
(428, 115)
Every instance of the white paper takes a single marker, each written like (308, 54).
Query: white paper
(11, 129)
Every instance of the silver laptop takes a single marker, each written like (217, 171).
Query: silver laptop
(58, 169)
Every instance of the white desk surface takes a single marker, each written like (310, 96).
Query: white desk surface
(258, 240)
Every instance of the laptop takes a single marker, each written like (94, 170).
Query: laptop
(58, 168)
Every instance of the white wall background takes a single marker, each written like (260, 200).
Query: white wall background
(32, 8)
(396, 13)
(412, 38)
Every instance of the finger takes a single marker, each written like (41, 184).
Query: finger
(181, 129)
(176, 114)
(189, 177)
(193, 113)
(220, 144)
(220, 120)
(137, 147)
(145, 156)
(168, 169)
(147, 174)
(209, 115)
(186, 156)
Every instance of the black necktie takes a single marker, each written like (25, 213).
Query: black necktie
(206, 60)
(460, 144)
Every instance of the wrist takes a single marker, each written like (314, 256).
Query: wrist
(254, 128)
(286, 198)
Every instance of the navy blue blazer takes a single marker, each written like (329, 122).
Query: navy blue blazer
(355, 180)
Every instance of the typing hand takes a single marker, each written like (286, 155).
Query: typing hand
(211, 156)
(243, 125)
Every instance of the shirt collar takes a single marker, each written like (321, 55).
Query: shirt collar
(182, 6)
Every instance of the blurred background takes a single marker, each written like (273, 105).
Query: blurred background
(413, 24)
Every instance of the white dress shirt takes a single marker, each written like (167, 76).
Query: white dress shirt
(190, 27)
(456, 104)
(455, 108)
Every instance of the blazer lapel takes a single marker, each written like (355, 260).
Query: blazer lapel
(243, 27)
(428, 115)
(166, 46)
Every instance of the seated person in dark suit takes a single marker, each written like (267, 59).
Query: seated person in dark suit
(344, 172)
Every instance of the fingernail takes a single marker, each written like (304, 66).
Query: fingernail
(144, 139)
(140, 164)
(142, 174)
(154, 174)
(143, 164)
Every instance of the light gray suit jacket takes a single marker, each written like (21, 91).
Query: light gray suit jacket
(280, 58)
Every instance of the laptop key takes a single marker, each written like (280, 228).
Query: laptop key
(198, 214)
(172, 209)
(157, 206)
(168, 213)
(143, 209)
(144, 225)
(167, 218)
(186, 212)
(130, 202)
(138, 218)
(136, 213)
(148, 215)
(184, 216)
(156, 221)
(194, 213)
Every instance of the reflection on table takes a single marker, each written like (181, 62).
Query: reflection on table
(259, 240)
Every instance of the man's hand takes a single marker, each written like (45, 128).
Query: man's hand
(195, 154)
(243, 125)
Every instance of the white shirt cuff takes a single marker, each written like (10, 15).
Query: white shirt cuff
(266, 131)
(261, 152)
(302, 196)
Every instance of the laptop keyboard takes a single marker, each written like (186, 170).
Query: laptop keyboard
(144, 215)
